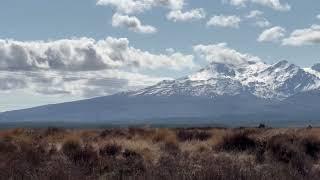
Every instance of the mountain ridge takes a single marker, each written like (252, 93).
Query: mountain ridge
(219, 93)
(277, 81)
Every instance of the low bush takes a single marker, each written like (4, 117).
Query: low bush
(71, 147)
(239, 141)
(311, 146)
(288, 149)
(189, 135)
(110, 150)
(7, 147)
(133, 164)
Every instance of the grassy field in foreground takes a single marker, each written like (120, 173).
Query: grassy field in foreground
(145, 153)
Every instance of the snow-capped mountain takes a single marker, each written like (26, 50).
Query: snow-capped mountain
(245, 93)
(277, 81)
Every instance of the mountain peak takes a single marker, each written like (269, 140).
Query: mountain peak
(281, 63)
(277, 81)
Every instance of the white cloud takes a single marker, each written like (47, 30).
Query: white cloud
(84, 54)
(254, 14)
(259, 20)
(221, 53)
(82, 67)
(194, 14)
(263, 23)
(132, 23)
(224, 21)
(301, 37)
(273, 34)
(138, 6)
(274, 4)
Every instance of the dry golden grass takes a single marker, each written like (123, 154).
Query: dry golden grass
(145, 153)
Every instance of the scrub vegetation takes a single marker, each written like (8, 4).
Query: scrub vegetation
(148, 153)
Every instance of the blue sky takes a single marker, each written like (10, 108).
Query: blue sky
(156, 46)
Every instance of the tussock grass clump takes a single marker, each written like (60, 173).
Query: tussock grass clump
(239, 141)
(284, 147)
(83, 156)
(288, 149)
(171, 147)
(7, 147)
(110, 150)
(71, 147)
(162, 135)
(51, 131)
(133, 164)
(311, 146)
(109, 133)
(189, 135)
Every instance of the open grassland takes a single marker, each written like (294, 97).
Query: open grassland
(145, 153)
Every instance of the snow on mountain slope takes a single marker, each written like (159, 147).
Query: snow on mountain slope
(315, 70)
(277, 81)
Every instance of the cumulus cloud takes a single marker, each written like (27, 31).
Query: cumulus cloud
(82, 67)
(274, 4)
(299, 37)
(263, 23)
(257, 16)
(224, 21)
(127, 7)
(84, 54)
(138, 6)
(194, 14)
(273, 34)
(254, 14)
(221, 53)
(132, 23)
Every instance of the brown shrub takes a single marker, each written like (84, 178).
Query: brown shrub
(133, 164)
(162, 135)
(143, 132)
(51, 131)
(7, 147)
(34, 154)
(283, 147)
(83, 156)
(105, 133)
(171, 147)
(287, 149)
(86, 157)
(110, 150)
(311, 146)
(71, 147)
(238, 141)
(189, 135)
(109, 133)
